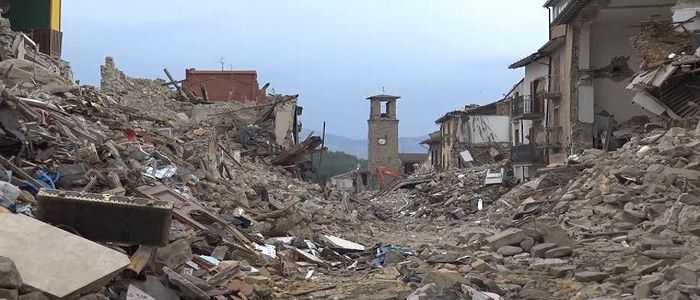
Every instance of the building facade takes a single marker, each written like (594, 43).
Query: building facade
(591, 60)
(240, 86)
(477, 133)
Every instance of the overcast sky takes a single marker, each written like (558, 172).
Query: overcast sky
(438, 55)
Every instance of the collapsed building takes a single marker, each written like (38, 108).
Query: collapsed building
(477, 134)
(573, 96)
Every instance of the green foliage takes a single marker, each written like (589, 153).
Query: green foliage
(334, 163)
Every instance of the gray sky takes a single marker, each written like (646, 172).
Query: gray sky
(436, 54)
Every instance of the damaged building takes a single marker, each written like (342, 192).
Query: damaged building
(476, 134)
(576, 81)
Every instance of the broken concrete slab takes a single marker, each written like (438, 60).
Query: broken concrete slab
(540, 249)
(509, 250)
(558, 252)
(342, 244)
(26, 239)
(642, 289)
(134, 293)
(174, 254)
(507, 237)
(545, 264)
(590, 276)
(187, 289)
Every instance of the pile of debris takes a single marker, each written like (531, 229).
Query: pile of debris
(450, 195)
(141, 194)
(624, 226)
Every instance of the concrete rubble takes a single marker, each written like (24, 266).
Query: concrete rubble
(136, 191)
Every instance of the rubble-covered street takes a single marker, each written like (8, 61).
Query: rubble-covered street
(147, 189)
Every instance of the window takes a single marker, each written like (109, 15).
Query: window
(384, 109)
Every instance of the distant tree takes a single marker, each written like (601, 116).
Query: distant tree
(335, 163)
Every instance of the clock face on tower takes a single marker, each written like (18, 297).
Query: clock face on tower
(381, 141)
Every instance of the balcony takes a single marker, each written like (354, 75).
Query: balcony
(554, 137)
(526, 154)
(528, 107)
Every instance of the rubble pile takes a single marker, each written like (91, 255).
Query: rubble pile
(182, 206)
(622, 228)
(657, 39)
(449, 195)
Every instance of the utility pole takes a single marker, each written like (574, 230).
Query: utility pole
(320, 155)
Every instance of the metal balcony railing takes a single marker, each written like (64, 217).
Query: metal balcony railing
(528, 107)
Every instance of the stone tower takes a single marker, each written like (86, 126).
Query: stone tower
(383, 136)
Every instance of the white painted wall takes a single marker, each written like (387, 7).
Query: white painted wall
(284, 122)
(489, 129)
(611, 31)
(534, 71)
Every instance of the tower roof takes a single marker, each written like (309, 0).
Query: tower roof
(383, 97)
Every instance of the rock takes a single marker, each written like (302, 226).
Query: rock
(540, 249)
(511, 236)
(527, 243)
(676, 132)
(187, 289)
(241, 287)
(644, 286)
(631, 215)
(482, 266)
(447, 284)
(689, 199)
(154, 287)
(623, 226)
(562, 271)
(94, 297)
(426, 292)
(650, 268)
(9, 294)
(547, 263)
(666, 253)
(533, 294)
(174, 254)
(589, 276)
(688, 218)
(34, 296)
(220, 252)
(444, 279)
(687, 273)
(509, 250)
(558, 252)
(9, 276)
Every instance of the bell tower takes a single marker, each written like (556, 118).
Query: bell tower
(383, 137)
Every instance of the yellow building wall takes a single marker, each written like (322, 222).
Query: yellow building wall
(55, 15)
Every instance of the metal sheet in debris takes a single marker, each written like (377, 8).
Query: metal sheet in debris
(343, 244)
(466, 156)
(54, 261)
(494, 177)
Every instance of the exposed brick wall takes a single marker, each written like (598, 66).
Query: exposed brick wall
(240, 86)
